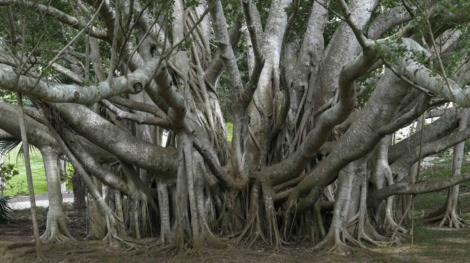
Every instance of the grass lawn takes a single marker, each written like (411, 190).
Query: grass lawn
(229, 131)
(431, 242)
(18, 184)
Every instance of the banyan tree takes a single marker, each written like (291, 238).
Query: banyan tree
(137, 96)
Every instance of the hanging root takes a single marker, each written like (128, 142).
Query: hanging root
(271, 220)
(253, 227)
(253, 224)
(256, 227)
(116, 231)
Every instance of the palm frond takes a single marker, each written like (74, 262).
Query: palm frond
(6, 213)
(59, 78)
(7, 146)
(32, 149)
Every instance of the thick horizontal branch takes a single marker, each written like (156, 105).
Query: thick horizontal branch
(406, 118)
(5, 135)
(124, 146)
(407, 56)
(406, 187)
(402, 165)
(92, 166)
(38, 134)
(55, 92)
(436, 130)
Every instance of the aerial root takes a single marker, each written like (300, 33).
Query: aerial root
(253, 232)
(254, 227)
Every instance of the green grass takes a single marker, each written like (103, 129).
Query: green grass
(18, 185)
(432, 242)
(229, 131)
(441, 170)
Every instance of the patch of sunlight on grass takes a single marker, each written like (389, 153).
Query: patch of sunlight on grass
(456, 240)
(18, 185)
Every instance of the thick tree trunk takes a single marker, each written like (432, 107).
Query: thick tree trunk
(96, 221)
(335, 240)
(351, 223)
(79, 191)
(56, 228)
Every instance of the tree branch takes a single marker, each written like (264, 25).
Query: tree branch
(59, 15)
(140, 119)
(54, 92)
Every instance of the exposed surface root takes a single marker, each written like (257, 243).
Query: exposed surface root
(54, 237)
(10, 252)
(449, 219)
(447, 215)
(452, 220)
(333, 244)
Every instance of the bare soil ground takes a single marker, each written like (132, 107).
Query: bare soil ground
(431, 244)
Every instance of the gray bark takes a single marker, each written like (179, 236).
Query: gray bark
(56, 227)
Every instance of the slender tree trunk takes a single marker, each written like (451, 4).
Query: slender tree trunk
(448, 214)
(451, 215)
(29, 176)
(335, 241)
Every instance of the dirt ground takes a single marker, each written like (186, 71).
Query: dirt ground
(16, 246)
